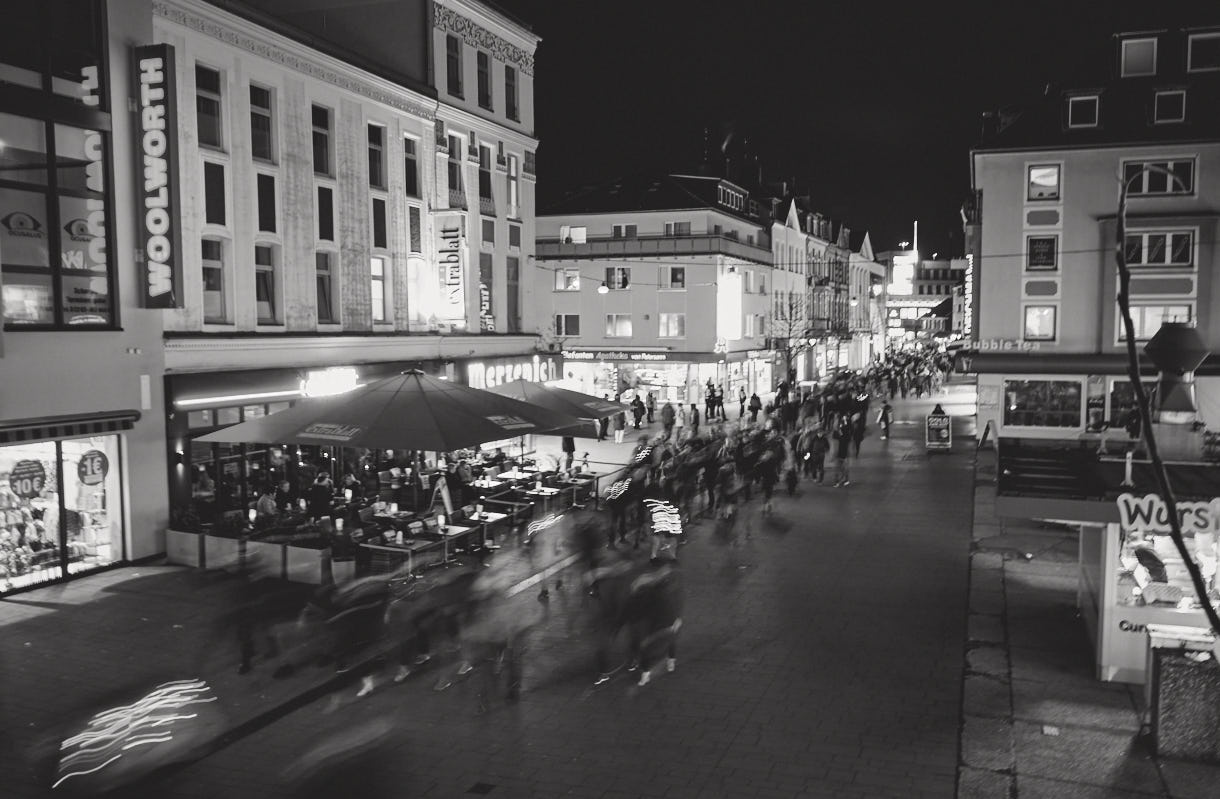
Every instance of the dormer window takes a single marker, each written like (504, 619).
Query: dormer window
(1138, 57)
(1082, 111)
(1203, 52)
(1170, 106)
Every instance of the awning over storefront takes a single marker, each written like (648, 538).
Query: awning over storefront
(205, 389)
(47, 428)
(1064, 363)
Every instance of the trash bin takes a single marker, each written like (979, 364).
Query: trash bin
(1182, 692)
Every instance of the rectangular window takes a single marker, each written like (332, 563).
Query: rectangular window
(514, 186)
(376, 156)
(379, 223)
(489, 231)
(377, 273)
(453, 65)
(324, 271)
(410, 161)
(266, 203)
(1082, 111)
(618, 325)
(1042, 253)
(618, 277)
(512, 287)
(1139, 57)
(455, 170)
(213, 193)
(214, 305)
(514, 236)
(1043, 403)
(326, 214)
(673, 325)
(484, 66)
(573, 234)
(264, 284)
(207, 107)
(677, 228)
(487, 317)
(510, 94)
(321, 140)
(1175, 176)
(485, 173)
(1043, 182)
(1040, 322)
(749, 326)
(262, 134)
(673, 277)
(567, 280)
(1148, 319)
(1203, 52)
(623, 231)
(1169, 248)
(415, 225)
(567, 324)
(1170, 106)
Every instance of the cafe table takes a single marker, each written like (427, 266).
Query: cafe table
(545, 494)
(487, 482)
(486, 519)
(517, 474)
(411, 548)
(449, 532)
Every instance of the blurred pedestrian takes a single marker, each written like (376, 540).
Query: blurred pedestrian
(651, 406)
(755, 407)
(885, 418)
(668, 418)
(843, 440)
(568, 445)
(620, 425)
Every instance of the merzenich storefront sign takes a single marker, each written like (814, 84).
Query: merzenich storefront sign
(537, 369)
(157, 178)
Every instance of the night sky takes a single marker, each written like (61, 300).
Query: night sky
(871, 106)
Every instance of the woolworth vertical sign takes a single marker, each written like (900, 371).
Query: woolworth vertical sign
(157, 174)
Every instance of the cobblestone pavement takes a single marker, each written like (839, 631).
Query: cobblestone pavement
(823, 661)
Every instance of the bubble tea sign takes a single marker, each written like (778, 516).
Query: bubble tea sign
(27, 479)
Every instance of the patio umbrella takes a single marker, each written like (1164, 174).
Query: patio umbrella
(585, 407)
(560, 400)
(407, 411)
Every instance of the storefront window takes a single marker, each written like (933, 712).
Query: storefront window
(1151, 573)
(1043, 403)
(42, 532)
(1122, 400)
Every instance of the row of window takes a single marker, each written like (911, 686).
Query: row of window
(1041, 321)
(454, 76)
(1143, 178)
(669, 325)
(1168, 106)
(1040, 402)
(1139, 55)
(1168, 249)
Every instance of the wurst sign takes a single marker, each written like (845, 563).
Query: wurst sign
(157, 178)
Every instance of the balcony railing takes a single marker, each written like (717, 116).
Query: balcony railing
(487, 205)
(698, 244)
(457, 198)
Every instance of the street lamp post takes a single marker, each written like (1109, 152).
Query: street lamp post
(1141, 400)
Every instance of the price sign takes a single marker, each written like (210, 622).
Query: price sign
(93, 467)
(27, 479)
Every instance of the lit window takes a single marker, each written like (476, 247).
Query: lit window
(377, 272)
(1147, 319)
(673, 325)
(325, 286)
(567, 280)
(1139, 57)
(618, 277)
(1043, 403)
(214, 306)
(1040, 322)
(514, 186)
(1170, 106)
(618, 325)
(573, 234)
(1082, 112)
(1043, 183)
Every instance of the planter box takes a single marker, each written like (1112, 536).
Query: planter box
(343, 571)
(305, 565)
(184, 549)
(267, 560)
(220, 552)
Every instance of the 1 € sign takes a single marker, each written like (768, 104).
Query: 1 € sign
(92, 467)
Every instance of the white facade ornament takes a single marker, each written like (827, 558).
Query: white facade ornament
(449, 21)
(272, 53)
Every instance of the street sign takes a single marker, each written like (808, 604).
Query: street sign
(938, 432)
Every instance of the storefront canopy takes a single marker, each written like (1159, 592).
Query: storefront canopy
(560, 400)
(407, 411)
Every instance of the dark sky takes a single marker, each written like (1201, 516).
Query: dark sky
(871, 106)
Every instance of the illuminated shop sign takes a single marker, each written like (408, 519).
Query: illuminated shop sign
(968, 316)
(450, 250)
(538, 369)
(157, 176)
(902, 275)
(1150, 514)
(326, 382)
(614, 355)
(1006, 345)
(728, 306)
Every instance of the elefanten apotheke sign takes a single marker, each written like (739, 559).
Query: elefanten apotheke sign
(157, 174)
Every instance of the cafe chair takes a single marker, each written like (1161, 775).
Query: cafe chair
(366, 514)
(467, 511)
(415, 529)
